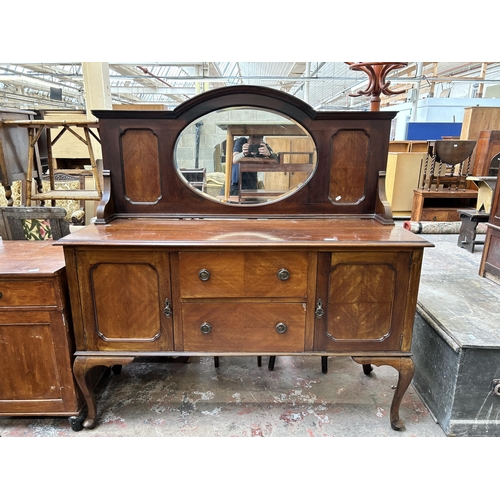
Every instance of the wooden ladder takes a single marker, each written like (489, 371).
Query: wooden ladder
(35, 129)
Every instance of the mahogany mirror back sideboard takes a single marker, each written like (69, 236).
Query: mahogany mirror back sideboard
(307, 261)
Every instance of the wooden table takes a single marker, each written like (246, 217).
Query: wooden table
(266, 165)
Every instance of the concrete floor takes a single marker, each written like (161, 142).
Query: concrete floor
(167, 398)
(239, 398)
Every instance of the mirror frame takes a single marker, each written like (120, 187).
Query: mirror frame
(351, 147)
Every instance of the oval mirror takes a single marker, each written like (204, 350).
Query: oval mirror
(245, 155)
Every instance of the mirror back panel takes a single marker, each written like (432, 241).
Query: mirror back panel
(143, 160)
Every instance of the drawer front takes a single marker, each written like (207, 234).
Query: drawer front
(243, 274)
(26, 293)
(440, 215)
(243, 327)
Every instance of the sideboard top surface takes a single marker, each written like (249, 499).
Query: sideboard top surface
(30, 258)
(244, 232)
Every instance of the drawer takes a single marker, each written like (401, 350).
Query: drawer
(243, 274)
(441, 215)
(25, 293)
(243, 327)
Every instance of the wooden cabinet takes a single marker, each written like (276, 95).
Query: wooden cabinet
(403, 174)
(408, 146)
(168, 271)
(476, 120)
(441, 205)
(487, 154)
(36, 341)
(490, 260)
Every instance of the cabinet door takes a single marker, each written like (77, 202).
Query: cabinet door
(35, 371)
(125, 299)
(364, 300)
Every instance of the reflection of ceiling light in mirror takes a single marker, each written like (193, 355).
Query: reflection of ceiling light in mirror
(244, 236)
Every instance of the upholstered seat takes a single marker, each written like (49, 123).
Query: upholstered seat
(33, 223)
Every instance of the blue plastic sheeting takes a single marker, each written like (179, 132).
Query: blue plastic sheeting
(432, 131)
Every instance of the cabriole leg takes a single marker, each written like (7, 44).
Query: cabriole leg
(81, 367)
(406, 369)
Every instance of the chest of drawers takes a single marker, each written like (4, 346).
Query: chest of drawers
(36, 341)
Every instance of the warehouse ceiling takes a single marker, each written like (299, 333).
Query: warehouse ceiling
(324, 85)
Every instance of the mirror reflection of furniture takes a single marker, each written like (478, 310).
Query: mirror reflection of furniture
(195, 176)
(270, 166)
(33, 223)
(285, 138)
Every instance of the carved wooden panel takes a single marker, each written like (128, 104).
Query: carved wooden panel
(141, 166)
(360, 300)
(364, 300)
(350, 154)
(123, 298)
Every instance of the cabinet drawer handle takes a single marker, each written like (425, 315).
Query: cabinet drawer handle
(167, 310)
(283, 274)
(281, 328)
(319, 309)
(206, 328)
(1, 295)
(204, 275)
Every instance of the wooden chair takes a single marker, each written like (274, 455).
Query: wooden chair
(33, 223)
